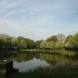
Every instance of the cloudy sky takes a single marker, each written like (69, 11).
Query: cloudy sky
(38, 19)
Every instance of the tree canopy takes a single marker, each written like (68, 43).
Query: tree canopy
(54, 42)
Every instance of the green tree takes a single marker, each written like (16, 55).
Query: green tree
(73, 42)
(8, 42)
(53, 38)
(23, 44)
(68, 42)
(50, 45)
(30, 43)
(59, 45)
(17, 41)
(1, 42)
(37, 43)
(43, 45)
(68, 38)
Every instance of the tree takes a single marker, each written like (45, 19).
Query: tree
(23, 44)
(1, 42)
(4, 36)
(59, 45)
(61, 37)
(37, 43)
(68, 38)
(73, 42)
(8, 42)
(18, 39)
(30, 43)
(43, 45)
(53, 38)
(68, 42)
(50, 45)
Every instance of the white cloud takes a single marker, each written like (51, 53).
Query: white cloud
(14, 12)
(29, 6)
(39, 19)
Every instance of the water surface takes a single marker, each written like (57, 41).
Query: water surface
(30, 61)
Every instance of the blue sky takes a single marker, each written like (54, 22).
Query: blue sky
(38, 19)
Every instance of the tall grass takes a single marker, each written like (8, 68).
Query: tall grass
(70, 70)
(59, 73)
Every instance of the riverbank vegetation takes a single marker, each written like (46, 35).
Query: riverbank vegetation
(59, 73)
(58, 42)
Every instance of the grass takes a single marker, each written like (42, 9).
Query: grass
(59, 73)
(62, 52)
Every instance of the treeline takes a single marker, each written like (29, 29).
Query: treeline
(7, 42)
(59, 41)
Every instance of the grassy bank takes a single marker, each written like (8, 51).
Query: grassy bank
(62, 52)
(59, 73)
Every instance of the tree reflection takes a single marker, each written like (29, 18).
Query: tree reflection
(52, 59)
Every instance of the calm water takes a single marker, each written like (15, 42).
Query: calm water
(30, 61)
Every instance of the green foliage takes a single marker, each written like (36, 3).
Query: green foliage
(68, 42)
(30, 43)
(18, 39)
(1, 42)
(72, 42)
(50, 45)
(54, 42)
(53, 38)
(7, 42)
(23, 44)
(37, 44)
(59, 45)
(76, 40)
(43, 45)
(68, 38)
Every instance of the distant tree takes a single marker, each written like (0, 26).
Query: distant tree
(73, 42)
(4, 36)
(68, 38)
(13, 43)
(68, 42)
(50, 45)
(8, 42)
(61, 37)
(1, 42)
(17, 41)
(43, 45)
(59, 45)
(37, 43)
(53, 38)
(23, 44)
(30, 43)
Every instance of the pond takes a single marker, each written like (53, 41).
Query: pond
(31, 61)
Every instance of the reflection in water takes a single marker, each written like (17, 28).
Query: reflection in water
(29, 61)
(29, 65)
